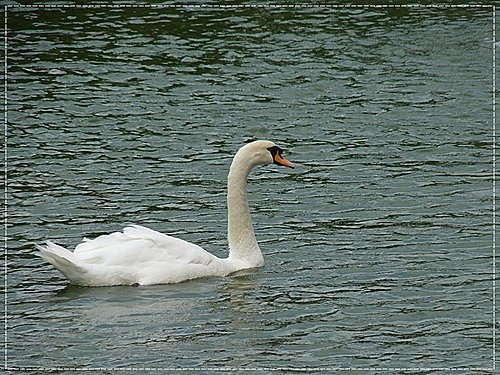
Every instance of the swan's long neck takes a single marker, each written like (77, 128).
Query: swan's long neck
(242, 243)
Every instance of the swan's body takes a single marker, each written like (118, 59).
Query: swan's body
(139, 255)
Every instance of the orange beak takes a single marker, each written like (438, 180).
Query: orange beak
(278, 159)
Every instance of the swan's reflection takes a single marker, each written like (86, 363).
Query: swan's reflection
(238, 287)
(161, 308)
(164, 318)
(241, 312)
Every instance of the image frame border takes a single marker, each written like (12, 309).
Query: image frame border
(5, 268)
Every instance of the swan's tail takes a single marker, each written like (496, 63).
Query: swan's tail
(63, 260)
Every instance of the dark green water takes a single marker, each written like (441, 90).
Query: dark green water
(378, 245)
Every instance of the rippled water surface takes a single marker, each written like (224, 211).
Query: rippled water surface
(378, 246)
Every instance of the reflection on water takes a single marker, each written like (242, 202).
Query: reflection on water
(377, 246)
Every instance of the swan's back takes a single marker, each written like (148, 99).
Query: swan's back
(137, 245)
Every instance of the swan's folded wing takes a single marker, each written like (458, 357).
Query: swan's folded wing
(136, 245)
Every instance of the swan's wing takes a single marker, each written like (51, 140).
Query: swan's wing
(137, 245)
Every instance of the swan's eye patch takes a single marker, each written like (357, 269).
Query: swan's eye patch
(275, 150)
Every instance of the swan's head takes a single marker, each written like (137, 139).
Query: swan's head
(265, 152)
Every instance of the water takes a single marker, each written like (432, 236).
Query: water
(378, 245)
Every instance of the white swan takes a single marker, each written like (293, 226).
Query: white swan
(139, 255)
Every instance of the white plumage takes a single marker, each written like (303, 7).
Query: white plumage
(139, 255)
